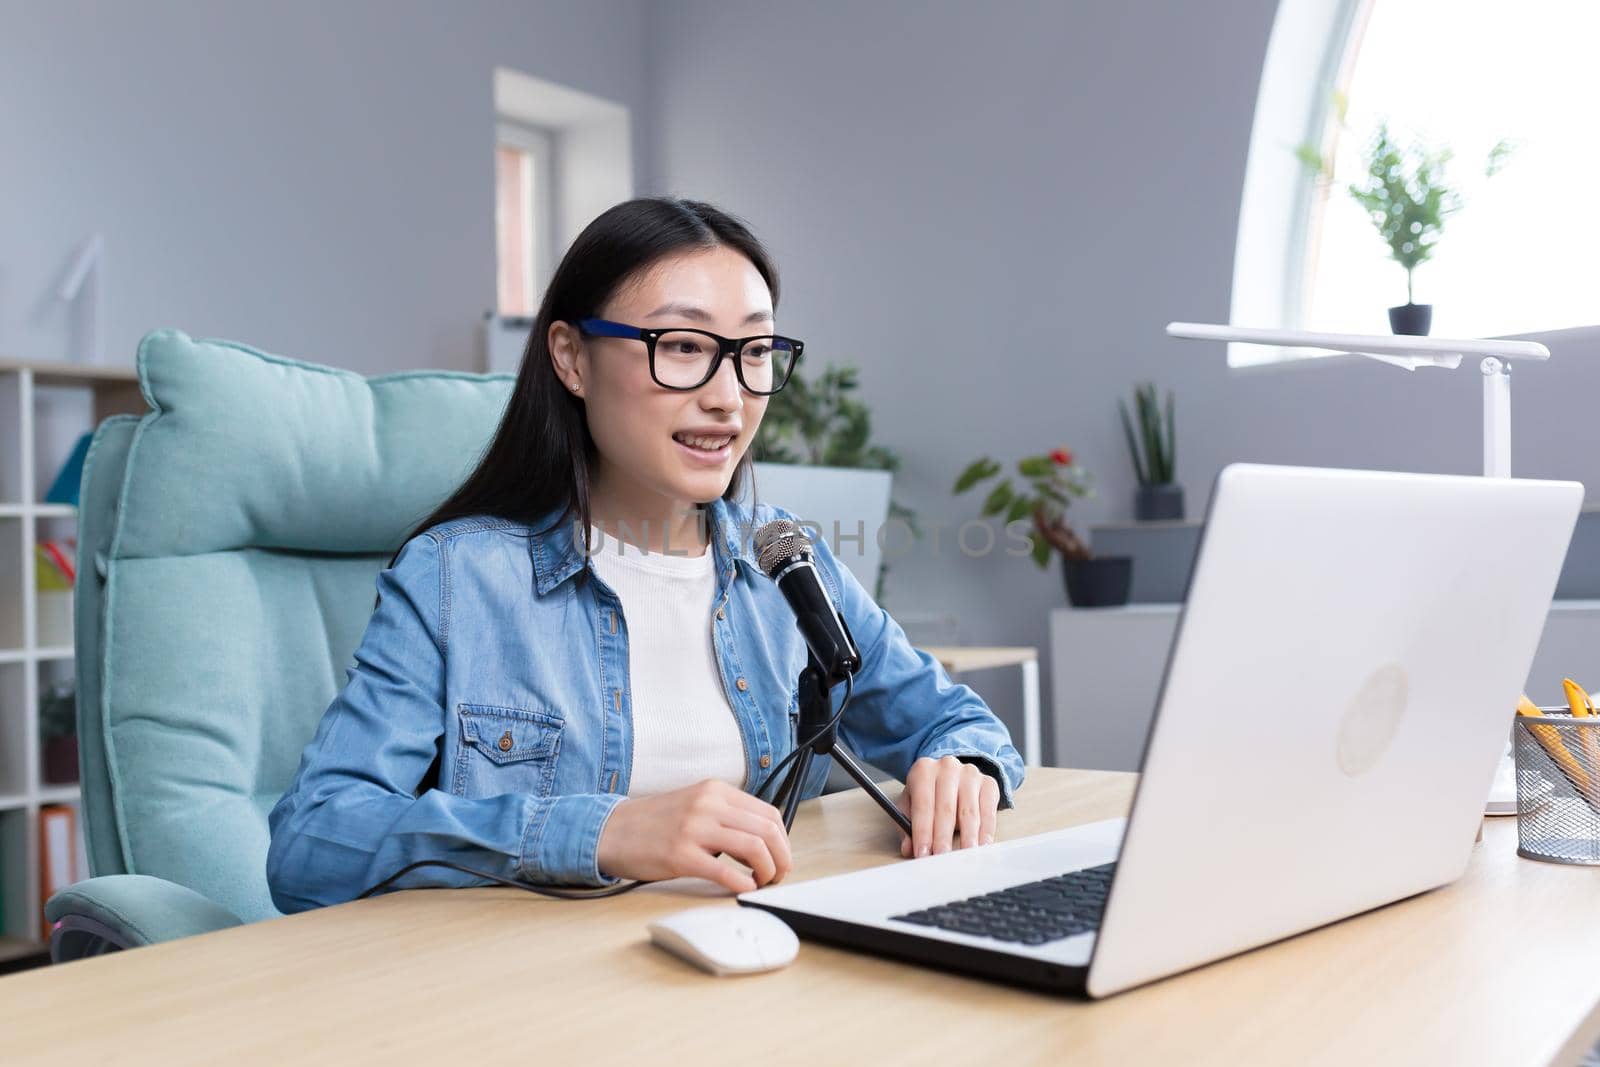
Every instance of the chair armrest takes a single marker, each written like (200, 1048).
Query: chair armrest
(118, 911)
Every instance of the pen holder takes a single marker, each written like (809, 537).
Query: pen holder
(1558, 787)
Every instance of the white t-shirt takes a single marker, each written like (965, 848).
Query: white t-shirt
(684, 730)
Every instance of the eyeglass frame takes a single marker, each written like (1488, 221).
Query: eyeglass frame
(726, 346)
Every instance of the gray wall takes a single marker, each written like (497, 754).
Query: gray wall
(315, 178)
(995, 209)
(992, 209)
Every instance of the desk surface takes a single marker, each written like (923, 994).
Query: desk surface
(1499, 968)
(958, 658)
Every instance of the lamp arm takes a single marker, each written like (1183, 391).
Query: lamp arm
(1496, 417)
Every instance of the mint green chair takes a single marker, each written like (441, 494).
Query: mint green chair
(228, 545)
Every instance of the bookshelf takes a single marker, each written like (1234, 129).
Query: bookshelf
(44, 409)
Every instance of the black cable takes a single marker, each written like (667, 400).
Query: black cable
(567, 893)
(596, 892)
(849, 687)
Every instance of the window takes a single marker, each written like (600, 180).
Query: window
(562, 156)
(1457, 73)
(524, 216)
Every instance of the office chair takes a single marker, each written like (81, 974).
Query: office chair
(228, 544)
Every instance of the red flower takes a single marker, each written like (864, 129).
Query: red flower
(1062, 457)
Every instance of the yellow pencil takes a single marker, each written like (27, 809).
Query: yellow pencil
(1583, 708)
(1550, 739)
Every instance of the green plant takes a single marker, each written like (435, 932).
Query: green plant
(1156, 464)
(1053, 480)
(819, 423)
(1404, 191)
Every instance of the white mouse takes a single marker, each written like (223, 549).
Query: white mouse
(727, 938)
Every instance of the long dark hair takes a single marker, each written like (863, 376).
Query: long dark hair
(542, 455)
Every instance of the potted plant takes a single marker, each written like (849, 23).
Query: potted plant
(815, 445)
(1154, 451)
(1051, 482)
(58, 734)
(1405, 194)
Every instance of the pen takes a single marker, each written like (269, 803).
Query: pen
(1549, 739)
(1583, 708)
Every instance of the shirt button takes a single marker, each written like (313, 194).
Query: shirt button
(505, 742)
(766, 761)
(720, 614)
(742, 684)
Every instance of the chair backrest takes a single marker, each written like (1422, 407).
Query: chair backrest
(228, 544)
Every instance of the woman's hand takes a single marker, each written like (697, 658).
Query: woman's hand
(678, 834)
(942, 795)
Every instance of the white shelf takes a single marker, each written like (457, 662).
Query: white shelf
(59, 794)
(34, 438)
(14, 947)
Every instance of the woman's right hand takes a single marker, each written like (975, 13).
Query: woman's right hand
(678, 834)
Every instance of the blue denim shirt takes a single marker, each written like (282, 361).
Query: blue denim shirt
(486, 654)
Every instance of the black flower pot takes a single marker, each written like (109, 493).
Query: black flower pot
(1156, 503)
(1411, 320)
(1098, 583)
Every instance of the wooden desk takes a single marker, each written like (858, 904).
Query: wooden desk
(1498, 969)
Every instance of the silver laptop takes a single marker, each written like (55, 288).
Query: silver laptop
(1334, 705)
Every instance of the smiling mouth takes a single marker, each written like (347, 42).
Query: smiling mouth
(703, 443)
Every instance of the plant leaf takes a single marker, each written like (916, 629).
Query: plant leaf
(999, 498)
(1172, 441)
(978, 470)
(1133, 444)
(1040, 550)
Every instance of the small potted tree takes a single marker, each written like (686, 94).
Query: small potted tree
(816, 443)
(1050, 483)
(1154, 451)
(1405, 193)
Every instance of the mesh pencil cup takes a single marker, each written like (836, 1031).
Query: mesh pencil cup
(1558, 787)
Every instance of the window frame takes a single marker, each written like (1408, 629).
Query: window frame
(539, 245)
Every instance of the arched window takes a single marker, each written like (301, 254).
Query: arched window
(1464, 74)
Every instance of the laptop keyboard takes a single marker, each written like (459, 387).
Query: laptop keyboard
(1029, 914)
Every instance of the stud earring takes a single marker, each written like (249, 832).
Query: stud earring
(574, 387)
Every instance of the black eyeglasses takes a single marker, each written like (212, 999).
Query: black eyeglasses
(685, 359)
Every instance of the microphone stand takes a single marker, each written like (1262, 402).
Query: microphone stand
(816, 724)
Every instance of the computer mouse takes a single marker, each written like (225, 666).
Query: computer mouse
(727, 939)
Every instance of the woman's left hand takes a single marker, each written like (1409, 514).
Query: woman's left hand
(943, 796)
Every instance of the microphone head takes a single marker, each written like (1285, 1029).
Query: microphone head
(779, 541)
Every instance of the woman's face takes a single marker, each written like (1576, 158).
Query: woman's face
(639, 427)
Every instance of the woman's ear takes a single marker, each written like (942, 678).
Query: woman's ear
(566, 351)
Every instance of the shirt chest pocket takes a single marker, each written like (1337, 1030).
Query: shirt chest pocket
(506, 750)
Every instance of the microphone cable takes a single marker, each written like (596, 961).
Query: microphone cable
(597, 892)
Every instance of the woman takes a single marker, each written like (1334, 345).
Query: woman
(575, 672)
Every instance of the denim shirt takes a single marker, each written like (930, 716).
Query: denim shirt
(487, 655)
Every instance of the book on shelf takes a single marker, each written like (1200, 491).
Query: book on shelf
(54, 570)
(64, 490)
(58, 855)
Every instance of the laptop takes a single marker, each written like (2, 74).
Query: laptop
(1334, 704)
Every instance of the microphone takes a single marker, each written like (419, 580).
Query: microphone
(783, 552)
